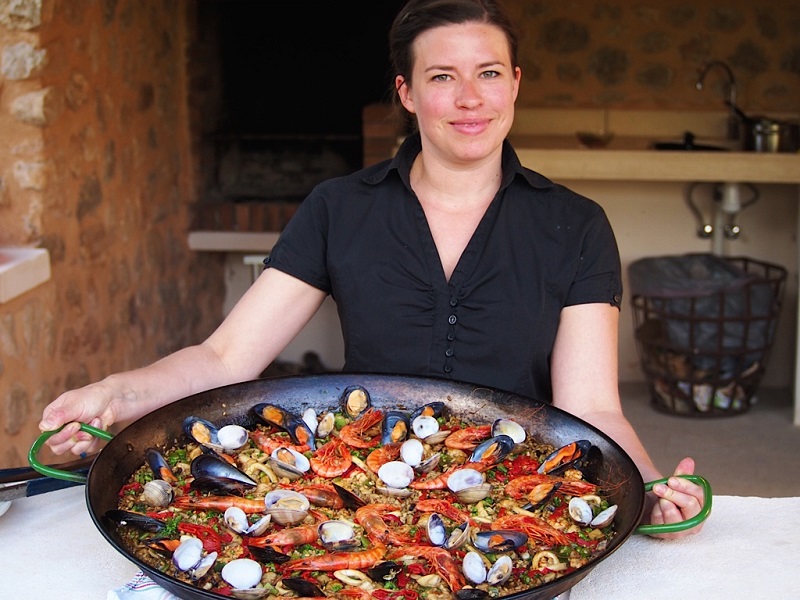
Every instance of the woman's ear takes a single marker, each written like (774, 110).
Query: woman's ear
(404, 93)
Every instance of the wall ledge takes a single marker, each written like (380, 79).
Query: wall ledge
(21, 270)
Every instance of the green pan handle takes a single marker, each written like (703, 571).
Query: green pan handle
(654, 529)
(57, 473)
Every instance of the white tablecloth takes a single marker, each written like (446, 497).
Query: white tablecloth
(749, 548)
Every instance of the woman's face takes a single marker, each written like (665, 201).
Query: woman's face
(463, 92)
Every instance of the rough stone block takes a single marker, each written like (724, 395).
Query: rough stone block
(38, 108)
(20, 61)
(30, 175)
(22, 15)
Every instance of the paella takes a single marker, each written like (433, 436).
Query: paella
(364, 503)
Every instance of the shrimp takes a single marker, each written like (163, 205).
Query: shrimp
(362, 432)
(380, 456)
(291, 536)
(267, 442)
(332, 459)
(321, 494)
(444, 508)
(336, 561)
(468, 438)
(521, 486)
(222, 503)
(535, 527)
(440, 481)
(369, 517)
(442, 561)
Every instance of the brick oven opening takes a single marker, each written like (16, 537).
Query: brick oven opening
(276, 92)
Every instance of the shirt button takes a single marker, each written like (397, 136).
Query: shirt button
(617, 298)
(448, 352)
(447, 368)
(452, 319)
(453, 301)
(450, 337)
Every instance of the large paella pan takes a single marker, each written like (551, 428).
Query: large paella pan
(604, 464)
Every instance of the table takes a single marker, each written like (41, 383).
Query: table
(749, 548)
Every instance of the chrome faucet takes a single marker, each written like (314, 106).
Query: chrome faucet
(733, 117)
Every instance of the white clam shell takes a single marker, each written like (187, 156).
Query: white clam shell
(242, 573)
(232, 437)
(465, 478)
(336, 535)
(236, 519)
(286, 507)
(188, 553)
(473, 567)
(201, 568)
(310, 418)
(424, 426)
(500, 570)
(604, 518)
(157, 493)
(411, 452)
(580, 511)
(326, 424)
(510, 428)
(396, 474)
(289, 463)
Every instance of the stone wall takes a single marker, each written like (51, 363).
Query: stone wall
(647, 54)
(98, 166)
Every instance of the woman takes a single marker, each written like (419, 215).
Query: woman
(450, 260)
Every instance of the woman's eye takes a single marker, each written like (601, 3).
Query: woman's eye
(441, 77)
(490, 74)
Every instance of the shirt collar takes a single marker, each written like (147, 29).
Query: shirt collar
(412, 145)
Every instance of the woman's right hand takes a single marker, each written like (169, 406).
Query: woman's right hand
(93, 404)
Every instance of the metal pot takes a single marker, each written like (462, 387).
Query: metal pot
(763, 134)
(609, 465)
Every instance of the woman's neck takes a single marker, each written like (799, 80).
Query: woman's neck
(455, 187)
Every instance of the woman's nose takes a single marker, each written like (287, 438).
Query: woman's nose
(468, 95)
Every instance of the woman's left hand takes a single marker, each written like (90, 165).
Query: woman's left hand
(678, 500)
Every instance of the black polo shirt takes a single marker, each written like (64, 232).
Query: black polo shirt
(540, 247)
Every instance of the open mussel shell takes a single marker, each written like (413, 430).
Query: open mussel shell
(431, 409)
(565, 457)
(395, 427)
(384, 571)
(302, 587)
(396, 474)
(354, 401)
(287, 507)
(541, 494)
(510, 428)
(499, 540)
(211, 467)
(493, 451)
(134, 519)
(271, 414)
(157, 493)
(337, 535)
(269, 555)
(289, 463)
(159, 465)
(201, 431)
(232, 437)
(351, 500)
(300, 432)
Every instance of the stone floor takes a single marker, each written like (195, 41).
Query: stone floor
(755, 453)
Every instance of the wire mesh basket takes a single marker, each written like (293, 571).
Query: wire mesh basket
(704, 326)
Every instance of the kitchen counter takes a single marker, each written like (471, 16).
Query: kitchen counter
(748, 548)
